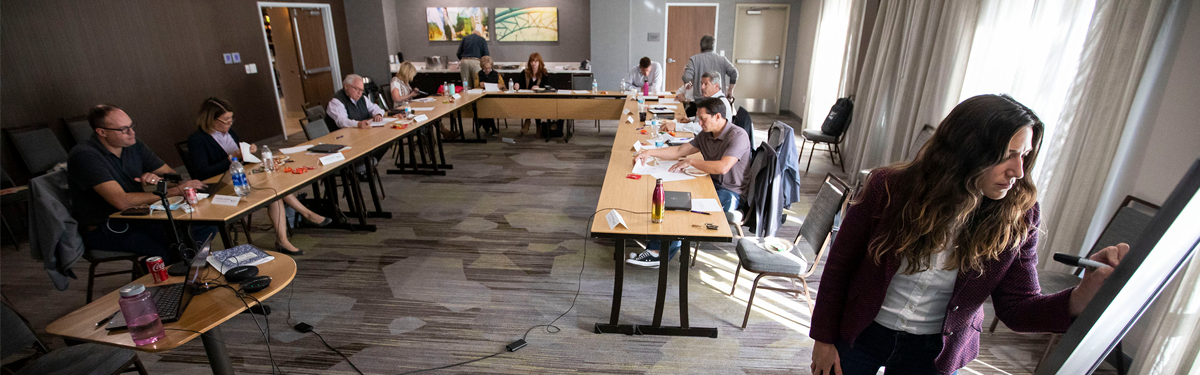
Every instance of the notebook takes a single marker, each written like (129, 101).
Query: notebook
(173, 299)
(326, 148)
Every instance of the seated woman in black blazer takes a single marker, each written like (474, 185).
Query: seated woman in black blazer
(214, 144)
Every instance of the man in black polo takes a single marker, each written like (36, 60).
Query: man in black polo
(106, 174)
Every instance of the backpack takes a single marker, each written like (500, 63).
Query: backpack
(839, 117)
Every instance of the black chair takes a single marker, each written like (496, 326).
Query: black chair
(38, 147)
(76, 359)
(315, 128)
(16, 198)
(793, 263)
(832, 132)
(1126, 225)
(918, 142)
(81, 131)
(742, 120)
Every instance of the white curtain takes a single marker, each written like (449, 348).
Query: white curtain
(911, 76)
(1173, 347)
(829, 52)
(1084, 141)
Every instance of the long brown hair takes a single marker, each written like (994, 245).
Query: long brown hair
(541, 72)
(936, 201)
(212, 109)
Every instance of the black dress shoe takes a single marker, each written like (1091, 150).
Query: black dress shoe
(281, 249)
(362, 177)
(323, 223)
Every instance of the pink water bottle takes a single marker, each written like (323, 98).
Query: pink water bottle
(646, 88)
(141, 315)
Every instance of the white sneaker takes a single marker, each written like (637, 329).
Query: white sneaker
(645, 259)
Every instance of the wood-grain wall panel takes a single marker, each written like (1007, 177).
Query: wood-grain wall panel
(156, 59)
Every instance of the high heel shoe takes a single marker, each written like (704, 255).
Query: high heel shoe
(323, 223)
(283, 250)
(525, 127)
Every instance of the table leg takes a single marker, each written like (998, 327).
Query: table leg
(379, 212)
(225, 237)
(218, 355)
(663, 266)
(684, 254)
(618, 286)
(456, 118)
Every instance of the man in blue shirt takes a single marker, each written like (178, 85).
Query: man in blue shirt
(470, 50)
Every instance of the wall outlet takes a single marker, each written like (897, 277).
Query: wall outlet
(251, 68)
(237, 58)
(228, 58)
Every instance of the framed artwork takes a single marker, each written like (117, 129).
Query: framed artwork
(538, 24)
(455, 23)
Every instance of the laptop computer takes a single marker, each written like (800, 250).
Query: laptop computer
(173, 299)
(213, 188)
(678, 201)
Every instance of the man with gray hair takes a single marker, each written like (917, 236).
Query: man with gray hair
(350, 109)
(710, 87)
(709, 61)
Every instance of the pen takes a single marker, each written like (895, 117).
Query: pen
(106, 319)
(1072, 260)
(701, 212)
(339, 137)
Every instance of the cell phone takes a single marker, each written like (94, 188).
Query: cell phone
(136, 211)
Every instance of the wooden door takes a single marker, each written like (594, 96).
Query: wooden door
(686, 24)
(313, 53)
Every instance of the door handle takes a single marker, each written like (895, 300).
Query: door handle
(749, 61)
(670, 60)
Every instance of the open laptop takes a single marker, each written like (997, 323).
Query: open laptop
(173, 299)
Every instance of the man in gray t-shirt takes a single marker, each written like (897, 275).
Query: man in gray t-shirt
(726, 151)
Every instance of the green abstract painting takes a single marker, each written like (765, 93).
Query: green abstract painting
(455, 23)
(539, 24)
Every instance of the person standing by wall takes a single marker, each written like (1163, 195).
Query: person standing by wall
(470, 50)
(709, 61)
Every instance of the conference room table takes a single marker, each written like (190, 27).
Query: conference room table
(631, 199)
(203, 316)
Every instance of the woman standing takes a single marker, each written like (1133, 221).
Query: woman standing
(928, 241)
(215, 144)
(534, 76)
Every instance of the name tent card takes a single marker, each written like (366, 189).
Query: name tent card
(226, 200)
(615, 219)
(420, 118)
(332, 158)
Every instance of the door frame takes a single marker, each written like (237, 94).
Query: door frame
(787, 8)
(667, 27)
(330, 43)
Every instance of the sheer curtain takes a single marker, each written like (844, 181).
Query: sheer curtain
(911, 76)
(828, 56)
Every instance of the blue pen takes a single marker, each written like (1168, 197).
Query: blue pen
(701, 212)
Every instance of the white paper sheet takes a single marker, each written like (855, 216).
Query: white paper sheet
(247, 156)
(416, 109)
(582, 91)
(293, 150)
(386, 121)
(425, 100)
(665, 93)
(491, 87)
(525, 91)
(475, 91)
(706, 205)
(667, 100)
(564, 91)
(671, 176)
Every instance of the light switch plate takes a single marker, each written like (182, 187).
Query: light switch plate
(251, 68)
(237, 58)
(653, 37)
(228, 58)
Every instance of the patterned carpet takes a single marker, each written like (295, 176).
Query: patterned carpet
(472, 260)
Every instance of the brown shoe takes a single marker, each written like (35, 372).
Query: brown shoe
(525, 127)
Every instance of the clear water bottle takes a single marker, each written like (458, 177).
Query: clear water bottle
(510, 86)
(141, 315)
(595, 87)
(445, 88)
(624, 85)
(237, 173)
(408, 113)
(268, 160)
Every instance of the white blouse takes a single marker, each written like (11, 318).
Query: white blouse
(404, 90)
(917, 303)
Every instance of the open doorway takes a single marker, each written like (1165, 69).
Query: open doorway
(299, 39)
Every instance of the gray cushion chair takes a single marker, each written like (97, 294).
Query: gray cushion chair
(76, 359)
(81, 131)
(793, 263)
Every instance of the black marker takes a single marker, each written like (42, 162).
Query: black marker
(1075, 261)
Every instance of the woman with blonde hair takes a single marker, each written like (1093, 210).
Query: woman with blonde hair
(402, 92)
(928, 241)
(214, 145)
(488, 75)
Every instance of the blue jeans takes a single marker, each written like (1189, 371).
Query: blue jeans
(900, 352)
(146, 238)
(729, 201)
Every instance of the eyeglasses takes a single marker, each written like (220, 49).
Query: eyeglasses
(230, 122)
(122, 130)
(356, 88)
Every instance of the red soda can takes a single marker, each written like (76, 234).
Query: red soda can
(189, 195)
(158, 268)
